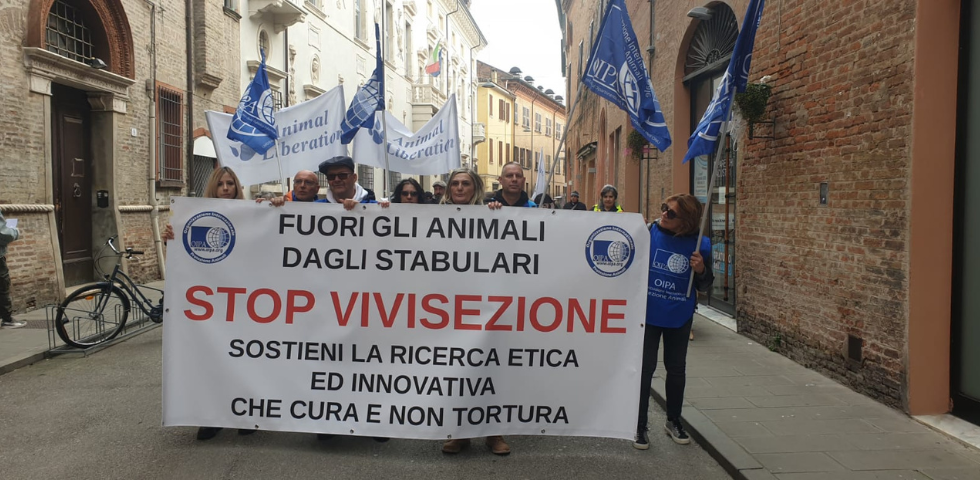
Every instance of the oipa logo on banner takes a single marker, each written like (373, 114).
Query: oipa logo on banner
(610, 251)
(209, 237)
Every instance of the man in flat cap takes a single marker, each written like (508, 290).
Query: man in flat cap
(342, 183)
(573, 203)
(438, 190)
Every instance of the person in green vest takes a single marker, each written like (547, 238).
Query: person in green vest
(607, 202)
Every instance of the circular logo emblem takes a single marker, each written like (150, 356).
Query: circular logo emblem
(610, 251)
(209, 237)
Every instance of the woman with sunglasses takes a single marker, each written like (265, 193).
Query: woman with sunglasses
(407, 191)
(670, 311)
(607, 200)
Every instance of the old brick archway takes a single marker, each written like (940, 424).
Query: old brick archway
(109, 19)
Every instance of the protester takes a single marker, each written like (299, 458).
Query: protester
(546, 202)
(306, 187)
(427, 199)
(466, 188)
(608, 203)
(407, 191)
(438, 190)
(342, 183)
(511, 193)
(7, 235)
(670, 311)
(223, 183)
(573, 203)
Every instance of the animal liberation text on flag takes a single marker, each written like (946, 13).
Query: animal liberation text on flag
(435, 61)
(705, 136)
(615, 71)
(254, 123)
(308, 133)
(368, 99)
(433, 150)
(542, 182)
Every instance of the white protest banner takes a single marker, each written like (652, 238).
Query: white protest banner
(413, 321)
(433, 150)
(309, 133)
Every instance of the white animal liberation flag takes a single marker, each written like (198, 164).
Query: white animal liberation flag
(433, 150)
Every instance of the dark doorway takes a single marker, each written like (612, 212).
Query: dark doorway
(72, 181)
(965, 361)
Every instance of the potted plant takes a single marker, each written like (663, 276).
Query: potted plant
(634, 145)
(751, 103)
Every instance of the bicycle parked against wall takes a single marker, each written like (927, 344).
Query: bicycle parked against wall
(96, 313)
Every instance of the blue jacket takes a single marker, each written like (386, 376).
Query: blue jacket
(670, 271)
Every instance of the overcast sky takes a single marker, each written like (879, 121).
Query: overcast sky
(525, 34)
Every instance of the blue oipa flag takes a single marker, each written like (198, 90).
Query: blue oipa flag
(704, 138)
(253, 123)
(616, 72)
(369, 98)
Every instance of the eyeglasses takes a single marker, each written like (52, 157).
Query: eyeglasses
(410, 194)
(670, 213)
(333, 176)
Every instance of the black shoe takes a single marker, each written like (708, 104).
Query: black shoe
(676, 431)
(324, 436)
(207, 433)
(381, 439)
(246, 431)
(640, 442)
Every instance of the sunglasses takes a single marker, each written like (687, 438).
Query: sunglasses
(410, 194)
(670, 213)
(333, 176)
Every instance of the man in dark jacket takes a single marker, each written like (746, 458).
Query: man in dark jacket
(573, 203)
(511, 193)
(342, 183)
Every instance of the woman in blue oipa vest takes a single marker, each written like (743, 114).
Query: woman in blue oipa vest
(670, 310)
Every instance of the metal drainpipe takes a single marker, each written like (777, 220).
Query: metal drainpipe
(473, 100)
(447, 44)
(151, 89)
(645, 172)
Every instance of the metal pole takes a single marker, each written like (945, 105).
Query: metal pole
(722, 132)
(564, 135)
(385, 187)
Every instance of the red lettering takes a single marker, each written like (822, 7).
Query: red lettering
(208, 309)
(365, 303)
(343, 318)
(388, 318)
(534, 314)
(574, 308)
(504, 305)
(427, 306)
(520, 313)
(230, 313)
(607, 316)
(461, 312)
(292, 308)
(276, 305)
(411, 310)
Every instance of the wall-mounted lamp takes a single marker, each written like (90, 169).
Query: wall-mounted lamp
(700, 13)
(97, 63)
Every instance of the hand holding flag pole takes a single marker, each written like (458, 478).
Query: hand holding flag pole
(714, 125)
(254, 122)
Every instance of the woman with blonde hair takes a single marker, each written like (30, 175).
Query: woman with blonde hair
(670, 310)
(465, 188)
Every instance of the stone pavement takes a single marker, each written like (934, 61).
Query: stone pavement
(29, 344)
(763, 416)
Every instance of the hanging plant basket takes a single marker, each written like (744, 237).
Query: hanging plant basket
(751, 103)
(634, 145)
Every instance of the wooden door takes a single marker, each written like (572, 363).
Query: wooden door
(72, 182)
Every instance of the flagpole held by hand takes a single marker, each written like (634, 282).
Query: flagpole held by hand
(715, 166)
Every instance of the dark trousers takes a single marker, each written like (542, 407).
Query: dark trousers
(6, 305)
(675, 361)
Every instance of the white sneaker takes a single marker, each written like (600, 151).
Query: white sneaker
(12, 324)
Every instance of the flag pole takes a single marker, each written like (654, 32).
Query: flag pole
(561, 142)
(384, 105)
(722, 133)
(282, 178)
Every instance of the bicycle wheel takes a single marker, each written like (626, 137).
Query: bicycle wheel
(92, 315)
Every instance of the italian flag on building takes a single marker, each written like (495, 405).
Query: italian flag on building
(435, 61)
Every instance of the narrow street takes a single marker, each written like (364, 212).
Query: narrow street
(99, 417)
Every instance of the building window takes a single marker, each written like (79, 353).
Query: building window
(365, 176)
(547, 127)
(233, 4)
(67, 34)
(508, 153)
(276, 100)
(359, 19)
(491, 105)
(500, 151)
(500, 110)
(170, 135)
(517, 155)
(526, 118)
(491, 151)
(264, 45)
(558, 131)
(537, 122)
(408, 49)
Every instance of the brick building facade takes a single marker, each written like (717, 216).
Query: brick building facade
(863, 104)
(99, 99)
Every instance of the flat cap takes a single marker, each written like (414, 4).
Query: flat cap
(573, 194)
(338, 161)
(439, 183)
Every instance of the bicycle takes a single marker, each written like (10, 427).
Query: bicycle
(97, 313)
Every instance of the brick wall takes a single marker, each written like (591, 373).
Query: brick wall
(807, 275)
